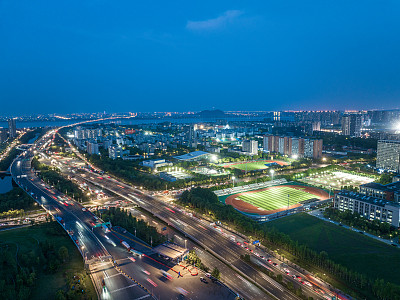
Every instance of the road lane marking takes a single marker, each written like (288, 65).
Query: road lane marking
(145, 296)
(118, 274)
(124, 288)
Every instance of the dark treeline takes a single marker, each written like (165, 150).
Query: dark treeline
(6, 162)
(15, 199)
(144, 231)
(207, 202)
(53, 177)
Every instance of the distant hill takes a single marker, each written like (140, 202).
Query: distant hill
(211, 114)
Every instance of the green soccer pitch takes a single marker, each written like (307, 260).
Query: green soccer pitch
(251, 166)
(276, 198)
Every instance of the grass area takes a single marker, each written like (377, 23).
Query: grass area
(348, 248)
(276, 198)
(48, 282)
(254, 165)
(251, 166)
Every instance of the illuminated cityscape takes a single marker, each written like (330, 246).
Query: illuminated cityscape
(181, 150)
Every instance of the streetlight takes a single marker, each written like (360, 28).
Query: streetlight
(272, 171)
(233, 181)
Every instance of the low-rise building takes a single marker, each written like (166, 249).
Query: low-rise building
(115, 152)
(371, 208)
(156, 163)
(193, 156)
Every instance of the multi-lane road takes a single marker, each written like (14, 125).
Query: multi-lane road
(104, 257)
(116, 273)
(222, 247)
(75, 221)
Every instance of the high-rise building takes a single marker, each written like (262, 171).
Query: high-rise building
(310, 148)
(250, 146)
(3, 135)
(352, 124)
(388, 155)
(12, 128)
(92, 147)
(79, 133)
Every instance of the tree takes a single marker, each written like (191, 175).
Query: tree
(63, 253)
(215, 273)
(60, 295)
(279, 278)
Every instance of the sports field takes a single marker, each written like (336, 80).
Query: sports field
(255, 165)
(336, 180)
(276, 198)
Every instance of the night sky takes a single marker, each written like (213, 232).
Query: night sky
(86, 55)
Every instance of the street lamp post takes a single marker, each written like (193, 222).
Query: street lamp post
(233, 181)
(272, 173)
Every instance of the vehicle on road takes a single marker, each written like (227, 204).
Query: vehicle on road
(202, 279)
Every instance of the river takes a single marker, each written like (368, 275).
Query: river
(5, 184)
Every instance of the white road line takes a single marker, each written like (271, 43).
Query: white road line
(118, 274)
(124, 288)
(145, 296)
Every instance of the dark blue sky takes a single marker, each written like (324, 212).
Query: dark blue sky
(86, 55)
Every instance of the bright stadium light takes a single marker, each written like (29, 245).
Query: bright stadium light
(295, 156)
(272, 171)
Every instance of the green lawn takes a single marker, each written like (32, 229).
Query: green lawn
(351, 249)
(276, 198)
(251, 166)
(47, 284)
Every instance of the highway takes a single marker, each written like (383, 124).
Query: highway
(91, 241)
(221, 246)
(115, 273)
(75, 222)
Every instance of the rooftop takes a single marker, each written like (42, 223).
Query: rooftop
(191, 155)
(369, 199)
(170, 250)
(393, 187)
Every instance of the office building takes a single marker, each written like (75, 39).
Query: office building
(250, 147)
(352, 124)
(156, 163)
(12, 128)
(388, 155)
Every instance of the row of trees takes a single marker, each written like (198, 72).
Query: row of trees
(143, 230)
(193, 259)
(356, 220)
(207, 202)
(16, 199)
(53, 177)
(12, 213)
(6, 162)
